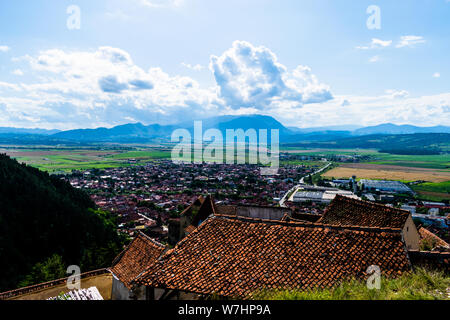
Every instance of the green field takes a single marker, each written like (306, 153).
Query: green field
(141, 155)
(434, 191)
(68, 159)
(427, 191)
(413, 161)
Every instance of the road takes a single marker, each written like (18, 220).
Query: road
(302, 181)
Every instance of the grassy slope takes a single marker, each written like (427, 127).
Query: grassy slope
(73, 160)
(420, 285)
(433, 191)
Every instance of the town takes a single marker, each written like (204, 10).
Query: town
(145, 197)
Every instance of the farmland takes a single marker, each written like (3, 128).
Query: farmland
(67, 159)
(433, 169)
(389, 172)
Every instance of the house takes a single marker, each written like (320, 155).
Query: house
(429, 240)
(409, 208)
(141, 253)
(202, 208)
(345, 211)
(255, 212)
(236, 257)
(433, 211)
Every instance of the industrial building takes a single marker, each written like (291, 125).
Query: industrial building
(319, 194)
(384, 186)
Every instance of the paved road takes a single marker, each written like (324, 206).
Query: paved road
(302, 181)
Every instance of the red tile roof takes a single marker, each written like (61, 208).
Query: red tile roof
(226, 210)
(140, 254)
(428, 236)
(238, 256)
(431, 260)
(345, 211)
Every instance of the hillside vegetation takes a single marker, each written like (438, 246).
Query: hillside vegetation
(420, 285)
(404, 144)
(46, 225)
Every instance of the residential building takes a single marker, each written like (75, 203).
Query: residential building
(140, 254)
(345, 211)
(237, 257)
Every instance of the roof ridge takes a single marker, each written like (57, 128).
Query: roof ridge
(369, 203)
(146, 237)
(307, 224)
(139, 235)
(433, 253)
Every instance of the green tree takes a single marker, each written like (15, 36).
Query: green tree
(51, 269)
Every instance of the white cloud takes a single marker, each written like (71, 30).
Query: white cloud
(381, 43)
(376, 43)
(104, 87)
(4, 48)
(396, 94)
(371, 110)
(197, 67)
(374, 59)
(162, 3)
(251, 77)
(410, 41)
(18, 72)
(437, 74)
(345, 103)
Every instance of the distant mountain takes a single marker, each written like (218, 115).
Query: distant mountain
(7, 130)
(409, 144)
(389, 128)
(256, 122)
(349, 128)
(140, 133)
(135, 132)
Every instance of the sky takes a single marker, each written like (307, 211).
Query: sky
(85, 64)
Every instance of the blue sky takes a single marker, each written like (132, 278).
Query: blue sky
(307, 63)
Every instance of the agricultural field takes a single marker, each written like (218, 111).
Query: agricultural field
(434, 191)
(433, 169)
(61, 160)
(388, 172)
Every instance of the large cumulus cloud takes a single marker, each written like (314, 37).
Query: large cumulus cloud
(105, 87)
(250, 76)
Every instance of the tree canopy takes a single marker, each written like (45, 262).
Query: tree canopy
(42, 216)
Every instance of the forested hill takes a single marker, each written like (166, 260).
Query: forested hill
(47, 225)
(413, 144)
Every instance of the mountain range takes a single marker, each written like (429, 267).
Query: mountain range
(140, 133)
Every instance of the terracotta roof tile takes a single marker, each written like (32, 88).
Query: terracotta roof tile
(431, 260)
(238, 256)
(427, 235)
(226, 210)
(345, 211)
(140, 254)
